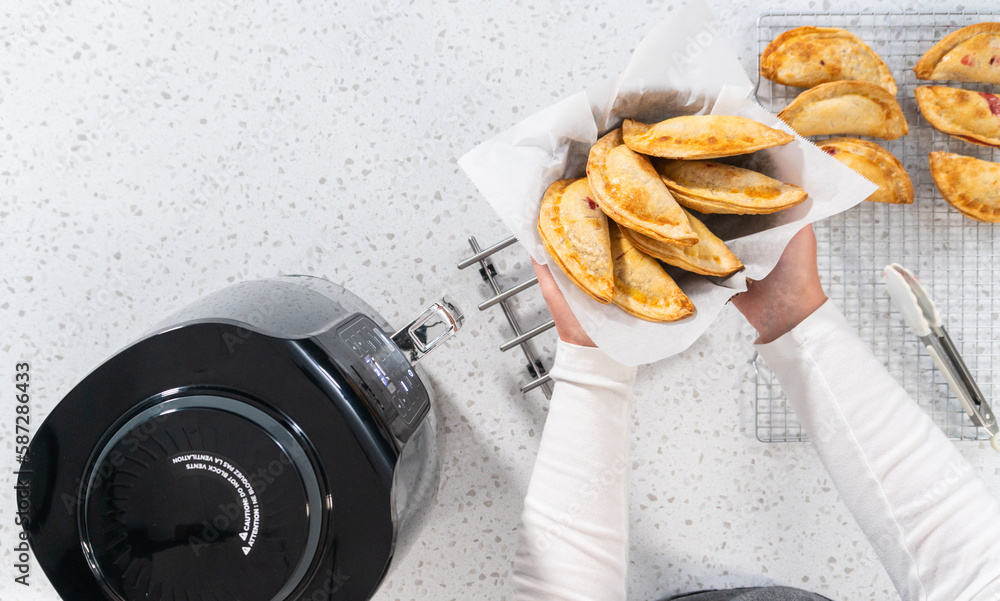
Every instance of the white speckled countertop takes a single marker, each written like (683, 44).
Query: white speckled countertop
(149, 156)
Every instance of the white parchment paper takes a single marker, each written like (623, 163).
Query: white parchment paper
(683, 67)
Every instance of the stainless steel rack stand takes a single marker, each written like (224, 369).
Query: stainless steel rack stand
(536, 370)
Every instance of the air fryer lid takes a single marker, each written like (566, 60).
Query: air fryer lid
(239, 451)
(190, 482)
(293, 383)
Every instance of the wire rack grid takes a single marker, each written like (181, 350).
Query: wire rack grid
(955, 257)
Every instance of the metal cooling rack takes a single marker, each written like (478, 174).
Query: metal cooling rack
(955, 257)
(536, 370)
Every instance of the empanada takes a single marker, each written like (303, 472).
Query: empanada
(855, 108)
(642, 288)
(710, 256)
(808, 56)
(875, 163)
(575, 232)
(630, 192)
(710, 187)
(701, 137)
(970, 54)
(970, 116)
(970, 185)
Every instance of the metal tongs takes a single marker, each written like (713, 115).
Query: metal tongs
(924, 319)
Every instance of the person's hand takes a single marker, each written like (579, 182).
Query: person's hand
(789, 294)
(567, 325)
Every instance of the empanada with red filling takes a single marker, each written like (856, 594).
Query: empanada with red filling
(970, 116)
(575, 232)
(876, 164)
(808, 56)
(970, 54)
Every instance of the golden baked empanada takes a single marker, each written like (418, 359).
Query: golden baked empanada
(710, 187)
(575, 232)
(970, 116)
(875, 163)
(857, 108)
(701, 137)
(970, 54)
(710, 256)
(808, 56)
(970, 185)
(630, 192)
(642, 288)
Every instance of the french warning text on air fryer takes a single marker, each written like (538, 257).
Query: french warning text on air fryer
(22, 436)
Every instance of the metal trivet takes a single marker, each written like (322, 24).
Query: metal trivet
(536, 370)
(955, 257)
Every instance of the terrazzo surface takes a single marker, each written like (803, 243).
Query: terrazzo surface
(151, 153)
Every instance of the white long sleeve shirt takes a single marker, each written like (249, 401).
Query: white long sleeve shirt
(933, 523)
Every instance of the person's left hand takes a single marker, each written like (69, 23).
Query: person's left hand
(789, 294)
(567, 324)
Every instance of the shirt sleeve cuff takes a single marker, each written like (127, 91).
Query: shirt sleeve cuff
(573, 361)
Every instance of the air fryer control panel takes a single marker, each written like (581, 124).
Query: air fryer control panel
(386, 373)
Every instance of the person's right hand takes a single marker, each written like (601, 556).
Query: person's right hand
(789, 294)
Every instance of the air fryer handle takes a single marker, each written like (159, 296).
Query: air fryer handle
(429, 329)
